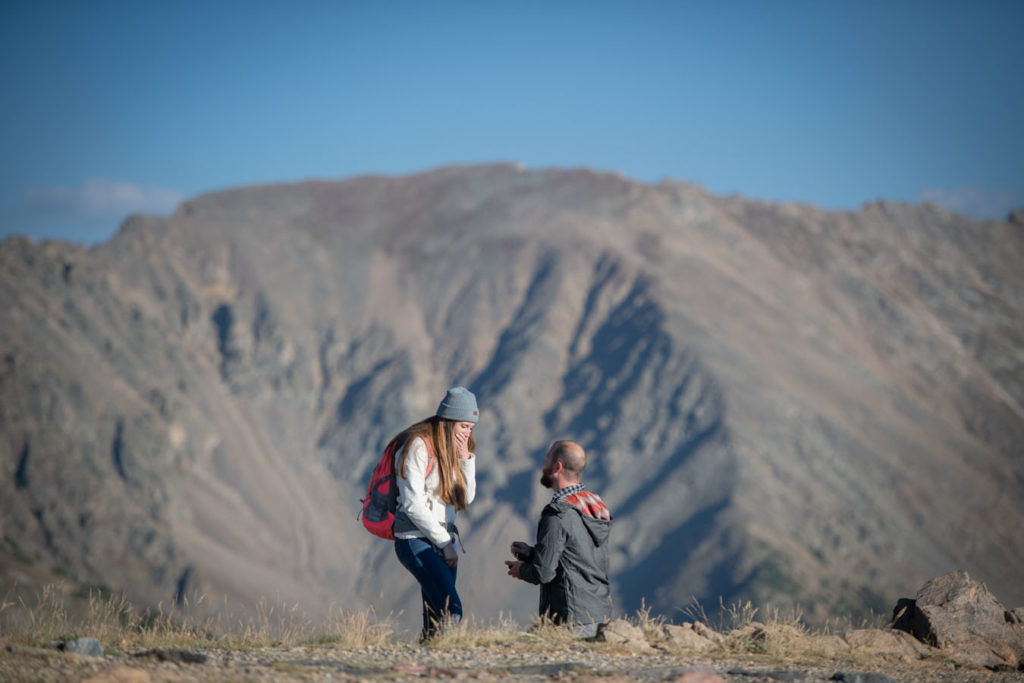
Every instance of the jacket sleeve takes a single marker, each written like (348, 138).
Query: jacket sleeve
(469, 472)
(551, 538)
(412, 494)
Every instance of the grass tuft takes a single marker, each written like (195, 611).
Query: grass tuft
(471, 633)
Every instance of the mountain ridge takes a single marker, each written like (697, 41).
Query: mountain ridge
(782, 403)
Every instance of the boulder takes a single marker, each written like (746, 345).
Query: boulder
(621, 632)
(776, 634)
(81, 646)
(825, 646)
(1015, 619)
(885, 643)
(706, 631)
(684, 637)
(963, 619)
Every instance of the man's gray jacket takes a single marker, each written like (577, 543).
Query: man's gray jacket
(570, 562)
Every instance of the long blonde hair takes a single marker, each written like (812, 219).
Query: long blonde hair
(439, 435)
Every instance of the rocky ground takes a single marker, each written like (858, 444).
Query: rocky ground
(953, 630)
(507, 661)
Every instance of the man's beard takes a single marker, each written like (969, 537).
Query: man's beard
(546, 481)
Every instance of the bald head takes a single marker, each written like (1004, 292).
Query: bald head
(572, 457)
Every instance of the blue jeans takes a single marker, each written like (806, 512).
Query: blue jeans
(441, 603)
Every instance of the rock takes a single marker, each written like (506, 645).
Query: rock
(621, 632)
(828, 647)
(83, 646)
(776, 633)
(963, 619)
(179, 656)
(698, 677)
(868, 677)
(1015, 618)
(886, 643)
(706, 631)
(686, 638)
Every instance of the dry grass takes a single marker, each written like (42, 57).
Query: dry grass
(652, 627)
(119, 625)
(742, 632)
(471, 633)
(776, 637)
(350, 630)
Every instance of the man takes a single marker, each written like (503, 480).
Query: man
(570, 560)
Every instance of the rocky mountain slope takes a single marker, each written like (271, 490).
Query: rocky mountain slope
(781, 404)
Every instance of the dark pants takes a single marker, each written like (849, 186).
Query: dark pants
(441, 603)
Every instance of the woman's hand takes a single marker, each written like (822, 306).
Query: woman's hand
(451, 554)
(462, 445)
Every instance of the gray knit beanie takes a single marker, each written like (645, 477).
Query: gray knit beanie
(458, 404)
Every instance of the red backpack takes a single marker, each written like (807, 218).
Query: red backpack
(381, 502)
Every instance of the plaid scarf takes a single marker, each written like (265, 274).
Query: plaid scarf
(567, 491)
(586, 502)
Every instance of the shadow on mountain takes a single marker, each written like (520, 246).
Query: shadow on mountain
(514, 344)
(661, 568)
(365, 402)
(610, 394)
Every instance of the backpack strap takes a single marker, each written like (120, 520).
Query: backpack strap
(430, 458)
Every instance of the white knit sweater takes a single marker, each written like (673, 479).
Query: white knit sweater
(419, 496)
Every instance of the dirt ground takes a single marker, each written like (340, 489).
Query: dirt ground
(410, 662)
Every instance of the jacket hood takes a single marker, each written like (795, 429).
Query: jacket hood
(599, 529)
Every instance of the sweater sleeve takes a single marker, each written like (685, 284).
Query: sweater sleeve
(551, 538)
(469, 472)
(412, 494)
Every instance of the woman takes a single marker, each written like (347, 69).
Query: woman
(436, 476)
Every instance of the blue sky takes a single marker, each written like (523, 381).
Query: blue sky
(111, 108)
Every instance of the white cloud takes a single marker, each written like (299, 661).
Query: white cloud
(101, 197)
(977, 202)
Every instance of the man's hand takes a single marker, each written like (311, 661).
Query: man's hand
(450, 554)
(521, 550)
(513, 568)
